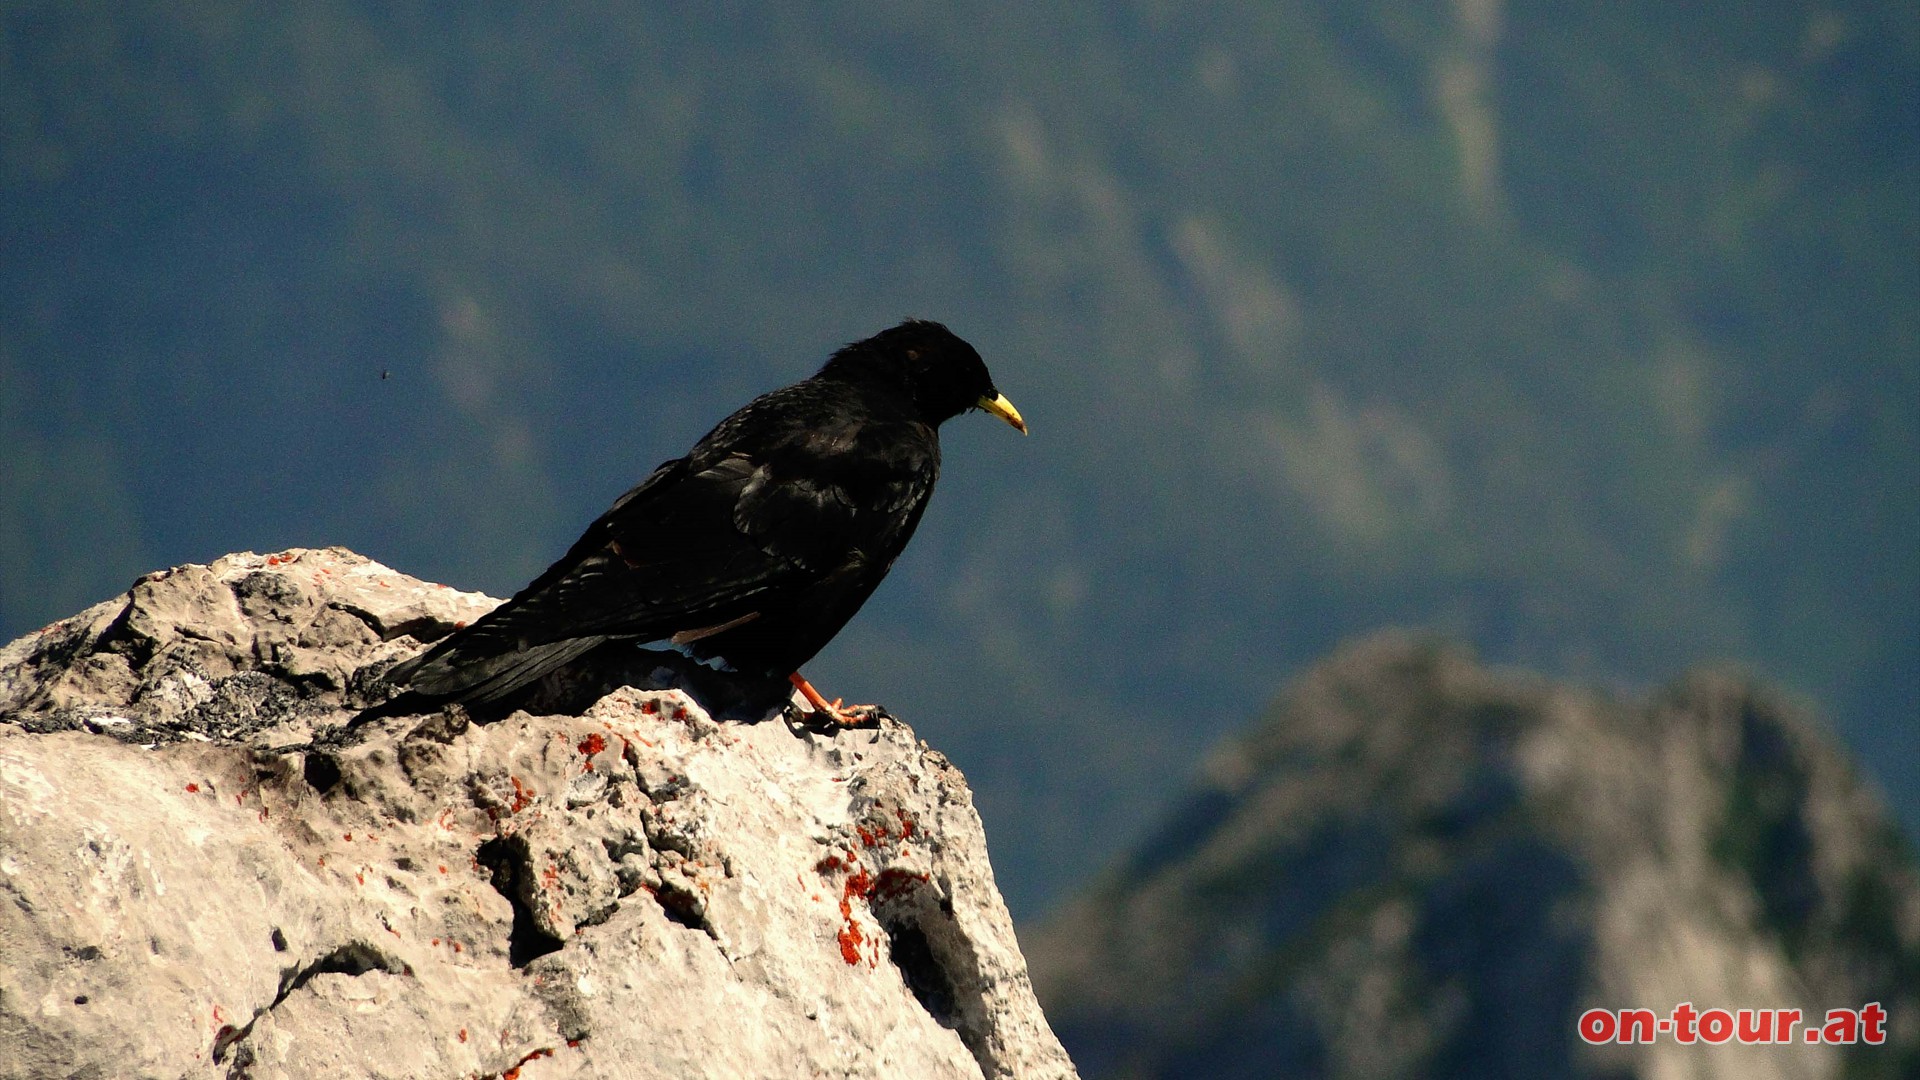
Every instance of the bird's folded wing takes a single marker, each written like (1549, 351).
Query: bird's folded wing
(695, 547)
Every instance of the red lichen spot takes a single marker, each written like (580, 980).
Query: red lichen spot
(907, 825)
(443, 868)
(895, 883)
(193, 789)
(456, 946)
(573, 1042)
(650, 707)
(591, 745)
(850, 941)
(322, 860)
(860, 884)
(463, 1031)
(459, 624)
(217, 1018)
(550, 875)
(277, 560)
(360, 877)
(262, 815)
(346, 836)
(522, 795)
(436, 944)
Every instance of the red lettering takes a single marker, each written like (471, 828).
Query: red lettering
(1597, 1026)
(1874, 1019)
(1683, 1017)
(1686, 1024)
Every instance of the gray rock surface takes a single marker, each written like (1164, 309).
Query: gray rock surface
(1417, 866)
(203, 874)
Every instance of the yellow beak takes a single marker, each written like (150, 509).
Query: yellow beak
(1002, 408)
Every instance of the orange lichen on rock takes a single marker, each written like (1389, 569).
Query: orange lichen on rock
(896, 883)
(860, 884)
(522, 796)
(591, 745)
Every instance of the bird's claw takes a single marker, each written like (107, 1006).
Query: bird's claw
(858, 716)
(835, 713)
(839, 717)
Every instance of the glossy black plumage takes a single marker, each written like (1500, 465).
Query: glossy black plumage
(754, 549)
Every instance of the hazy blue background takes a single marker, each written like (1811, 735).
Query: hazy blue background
(1587, 333)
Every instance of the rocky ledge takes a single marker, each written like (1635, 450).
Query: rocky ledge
(206, 871)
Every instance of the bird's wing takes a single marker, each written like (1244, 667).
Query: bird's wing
(709, 539)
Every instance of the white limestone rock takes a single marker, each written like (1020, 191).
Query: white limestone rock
(203, 875)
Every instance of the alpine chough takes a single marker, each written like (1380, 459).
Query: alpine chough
(752, 551)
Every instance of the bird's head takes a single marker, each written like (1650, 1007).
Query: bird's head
(929, 364)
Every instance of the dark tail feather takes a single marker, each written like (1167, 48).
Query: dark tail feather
(454, 671)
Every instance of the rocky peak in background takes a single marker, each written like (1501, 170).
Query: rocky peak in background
(1418, 866)
(206, 874)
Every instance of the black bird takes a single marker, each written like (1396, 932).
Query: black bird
(751, 552)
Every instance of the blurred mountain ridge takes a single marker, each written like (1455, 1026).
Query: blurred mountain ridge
(1419, 866)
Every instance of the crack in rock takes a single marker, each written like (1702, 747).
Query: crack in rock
(509, 865)
(354, 958)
